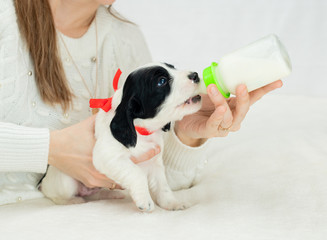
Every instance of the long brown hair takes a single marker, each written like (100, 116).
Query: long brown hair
(36, 25)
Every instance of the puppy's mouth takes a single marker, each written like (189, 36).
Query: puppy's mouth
(191, 100)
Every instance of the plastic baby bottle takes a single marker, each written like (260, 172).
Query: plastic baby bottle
(255, 65)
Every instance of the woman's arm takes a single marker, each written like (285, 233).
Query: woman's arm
(26, 149)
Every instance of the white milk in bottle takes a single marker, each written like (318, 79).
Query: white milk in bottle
(255, 65)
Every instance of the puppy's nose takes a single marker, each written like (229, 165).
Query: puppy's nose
(194, 77)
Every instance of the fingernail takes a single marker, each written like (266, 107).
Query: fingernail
(214, 91)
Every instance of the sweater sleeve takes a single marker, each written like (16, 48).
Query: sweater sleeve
(183, 163)
(23, 149)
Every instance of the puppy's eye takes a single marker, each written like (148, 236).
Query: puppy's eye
(162, 81)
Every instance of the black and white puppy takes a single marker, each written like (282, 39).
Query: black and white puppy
(153, 96)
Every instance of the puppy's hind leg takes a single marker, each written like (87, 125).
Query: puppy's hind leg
(60, 188)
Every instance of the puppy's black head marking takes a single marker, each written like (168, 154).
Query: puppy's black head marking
(144, 92)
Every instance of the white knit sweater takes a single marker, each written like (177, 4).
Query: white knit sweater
(25, 120)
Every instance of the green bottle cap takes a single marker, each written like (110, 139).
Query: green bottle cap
(210, 77)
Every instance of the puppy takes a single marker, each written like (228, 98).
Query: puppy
(153, 96)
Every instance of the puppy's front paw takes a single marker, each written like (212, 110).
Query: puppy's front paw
(141, 196)
(145, 206)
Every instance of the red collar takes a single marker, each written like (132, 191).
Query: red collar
(105, 104)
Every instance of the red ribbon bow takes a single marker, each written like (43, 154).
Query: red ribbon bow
(105, 104)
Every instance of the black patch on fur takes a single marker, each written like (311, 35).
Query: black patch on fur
(166, 128)
(142, 97)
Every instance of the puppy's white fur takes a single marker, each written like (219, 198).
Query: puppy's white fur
(144, 181)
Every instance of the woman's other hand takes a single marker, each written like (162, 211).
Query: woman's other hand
(71, 152)
(218, 116)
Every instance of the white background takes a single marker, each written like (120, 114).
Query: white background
(267, 181)
(191, 34)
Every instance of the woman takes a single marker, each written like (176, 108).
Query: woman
(57, 54)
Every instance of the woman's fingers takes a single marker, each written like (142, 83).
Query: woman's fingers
(215, 121)
(242, 106)
(146, 156)
(218, 100)
(107, 183)
(93, 178)
(260, 92)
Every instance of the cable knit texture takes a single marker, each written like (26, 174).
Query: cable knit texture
(25, 120)
(183, 163)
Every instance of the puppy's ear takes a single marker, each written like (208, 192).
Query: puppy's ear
(136, 107)
(122, 125)
(166, 128)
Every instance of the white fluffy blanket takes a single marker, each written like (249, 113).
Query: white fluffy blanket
(267, 181)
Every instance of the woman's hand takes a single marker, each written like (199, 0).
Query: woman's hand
(71, 152)
(218, 115)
